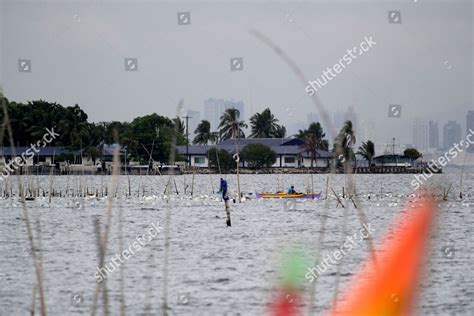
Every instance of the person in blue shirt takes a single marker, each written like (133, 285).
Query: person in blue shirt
(292, 190)
(223, 190)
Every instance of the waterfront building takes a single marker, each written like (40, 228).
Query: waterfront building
(288, 150)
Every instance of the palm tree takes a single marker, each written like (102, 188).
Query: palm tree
(204, 134)
(179, 125)
(347, 134)
(280, 132)
(345, 142)
(231, 126)
(263, 125)
(367, 150)
(314, 140)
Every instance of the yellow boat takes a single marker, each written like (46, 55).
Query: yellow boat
(284, 195)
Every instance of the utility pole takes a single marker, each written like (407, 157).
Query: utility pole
(187, 117)
(237, 144)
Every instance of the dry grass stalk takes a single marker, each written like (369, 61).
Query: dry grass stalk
(104, 239)
(37, 264)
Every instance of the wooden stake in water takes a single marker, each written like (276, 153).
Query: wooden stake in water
(338, 199)
(446, 192)
(327, 187)
(460, 181)
(237, 160)
(238, 179)
(227, 211)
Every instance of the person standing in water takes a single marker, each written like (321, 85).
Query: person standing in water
(225, 197)
(223, 190)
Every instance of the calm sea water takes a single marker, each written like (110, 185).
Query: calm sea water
(215, 270)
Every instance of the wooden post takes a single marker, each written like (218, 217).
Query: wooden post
(227, 211)
(176, 187)
(460, 181)
(185, 187)
(238, 180)
(446, 192)
(327, 187)
(167, 184)
(338, 199)
(50, 184)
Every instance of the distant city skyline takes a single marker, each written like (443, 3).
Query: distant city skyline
(213, 108)
(420, 134)
(470, 125)
(452, 133)
(433, 135)
(81, 52)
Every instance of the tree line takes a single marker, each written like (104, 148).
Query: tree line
(144, 136)
(265, 125)
(154, 135)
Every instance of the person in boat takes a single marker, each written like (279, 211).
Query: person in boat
(223, 190)
(291, 190)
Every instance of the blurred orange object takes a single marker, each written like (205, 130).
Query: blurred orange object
(388, 287)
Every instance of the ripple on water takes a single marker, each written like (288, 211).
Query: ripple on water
(224, 270)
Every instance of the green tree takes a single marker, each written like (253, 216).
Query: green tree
(280, 132)
(412, 153)
(220, 158)
(264, 125)
(231, 126)
(179, 125)
(313, 139)
(258, 155)
(204, 134)
(29, 122)
(367, 150)
(345, 142)
(155, 131)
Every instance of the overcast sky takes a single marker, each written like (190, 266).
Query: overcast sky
(77, 51)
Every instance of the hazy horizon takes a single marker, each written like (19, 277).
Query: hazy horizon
(77, 51)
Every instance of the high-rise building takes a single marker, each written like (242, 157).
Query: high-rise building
(338, 120)
(239, 105)
(214, 108)
(313, 118)
(470, 126)
(368, 131)
(433, 131)
(451, 134)
(420, 135)
(194, 120)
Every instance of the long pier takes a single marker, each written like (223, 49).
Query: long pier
(398, 169)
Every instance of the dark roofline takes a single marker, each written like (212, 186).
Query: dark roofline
(294, 150)
(390, 156)
(46, 151)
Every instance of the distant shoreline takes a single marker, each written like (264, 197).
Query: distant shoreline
(45, 171)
